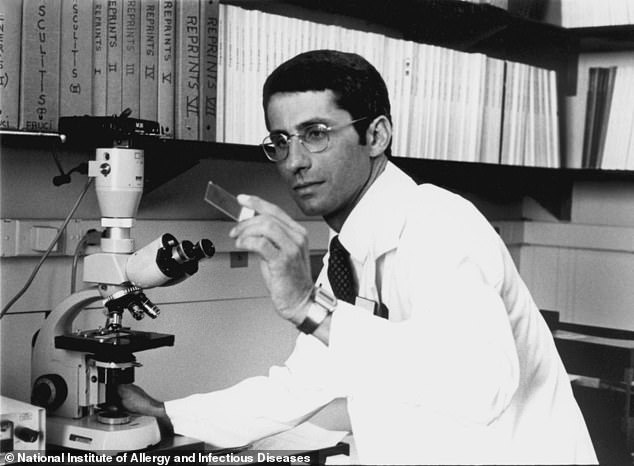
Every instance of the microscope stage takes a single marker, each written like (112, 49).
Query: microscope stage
(121, 343)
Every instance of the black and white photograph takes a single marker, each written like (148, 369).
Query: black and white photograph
(317, 232)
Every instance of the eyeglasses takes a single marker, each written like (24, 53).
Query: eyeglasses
(315, 138)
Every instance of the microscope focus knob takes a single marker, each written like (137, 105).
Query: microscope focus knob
(49, 391)
(26, 435)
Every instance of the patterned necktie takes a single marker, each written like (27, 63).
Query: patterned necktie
(340, 272)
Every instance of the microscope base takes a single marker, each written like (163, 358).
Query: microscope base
(88, 434)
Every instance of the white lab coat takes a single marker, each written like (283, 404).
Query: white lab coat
(464, 371)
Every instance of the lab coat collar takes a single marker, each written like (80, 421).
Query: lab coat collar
(375, 224)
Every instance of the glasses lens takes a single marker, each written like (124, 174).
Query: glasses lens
(315, 138)
(275, 146)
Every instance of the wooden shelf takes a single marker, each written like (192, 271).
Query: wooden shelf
(605, 38)
(167, 158)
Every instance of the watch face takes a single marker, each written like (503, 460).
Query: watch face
(322, 306)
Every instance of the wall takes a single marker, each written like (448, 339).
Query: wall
(583, 271)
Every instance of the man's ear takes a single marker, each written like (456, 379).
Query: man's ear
(379, 135)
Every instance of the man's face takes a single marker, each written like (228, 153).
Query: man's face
(327, 183)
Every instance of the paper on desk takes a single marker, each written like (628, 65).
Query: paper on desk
(304, 437)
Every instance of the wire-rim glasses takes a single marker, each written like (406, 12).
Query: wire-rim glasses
(315, 138)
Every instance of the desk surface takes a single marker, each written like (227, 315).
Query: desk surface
(594, 356)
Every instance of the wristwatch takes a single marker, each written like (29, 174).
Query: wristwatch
(322, 304)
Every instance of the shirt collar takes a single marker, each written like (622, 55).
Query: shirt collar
(375, 223)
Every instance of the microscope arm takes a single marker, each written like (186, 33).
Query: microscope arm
(47, 359)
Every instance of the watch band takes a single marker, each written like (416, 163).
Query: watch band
(321, 306)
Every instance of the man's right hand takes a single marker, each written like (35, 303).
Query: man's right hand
(136, 400)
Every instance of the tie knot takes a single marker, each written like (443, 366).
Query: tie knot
(336, 248)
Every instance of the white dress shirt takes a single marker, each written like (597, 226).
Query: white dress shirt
(464, 371)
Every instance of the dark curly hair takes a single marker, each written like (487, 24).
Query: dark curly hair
(358, 87)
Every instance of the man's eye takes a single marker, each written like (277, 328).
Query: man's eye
(315, 133)
(279, 140)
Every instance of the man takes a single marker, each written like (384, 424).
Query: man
(434, 339)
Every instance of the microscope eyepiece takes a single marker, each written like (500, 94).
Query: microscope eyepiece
(204, 249)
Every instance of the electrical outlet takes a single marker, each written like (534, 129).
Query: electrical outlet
(27, 237)
(30, 237)
(238, 259)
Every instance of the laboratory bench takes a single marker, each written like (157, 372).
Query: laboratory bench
(196, 452)
(601, 364)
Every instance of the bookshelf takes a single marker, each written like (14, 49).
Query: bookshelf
(454, 24)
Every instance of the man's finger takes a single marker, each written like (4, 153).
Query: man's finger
(260, 245)
(264, 207)
(271, 227)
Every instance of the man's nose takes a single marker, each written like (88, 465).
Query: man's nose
(298, 156)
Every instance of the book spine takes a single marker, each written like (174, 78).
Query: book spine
(99, 57)
(187, 69)
(39, 84)
(10, 39)
(222, 75)
(148, 105)
(115, 48)
(165, 110)
(131, 56)
(209, 72)
(76, 58)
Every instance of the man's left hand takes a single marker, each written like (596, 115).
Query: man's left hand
(282, 245)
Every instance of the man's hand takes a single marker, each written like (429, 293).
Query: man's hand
(136, 400)
(282, 244)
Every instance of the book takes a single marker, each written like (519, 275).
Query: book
(221, 95)
(10, 40)
(590, 13)
(591, 104)
(620, 121)
(148, 94)
(541, 155)
(131, 57)
(606, 92)
(114, 73)
(517, 154)
(492, 111)
(391, 76)
(553, 119)
(447, 77)
(417, 97)
(600, 88)
(76, 58)
(187, 70)
(528, 149)
(166, 58)
(511, 129)
(39, 83)
(209, 69)
(473, 103)
(430, 148)
(99, 58)
(230, 73)
(405, 78)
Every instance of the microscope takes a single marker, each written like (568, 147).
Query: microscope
(75, 374)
